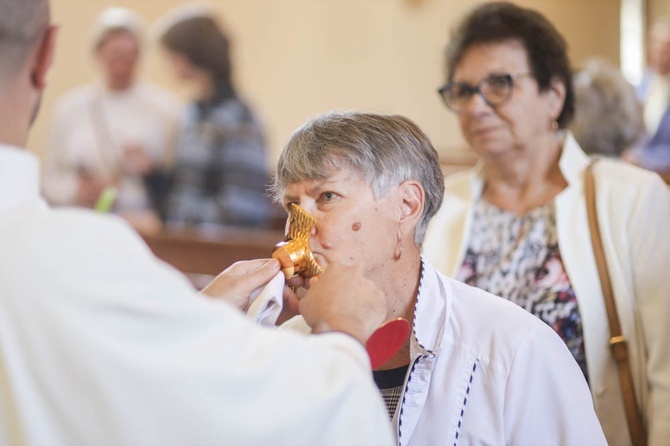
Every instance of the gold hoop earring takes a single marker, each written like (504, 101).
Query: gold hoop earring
(554, 125)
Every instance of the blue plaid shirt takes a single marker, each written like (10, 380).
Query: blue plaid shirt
(220, 175)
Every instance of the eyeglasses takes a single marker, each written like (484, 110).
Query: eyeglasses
(495, 89)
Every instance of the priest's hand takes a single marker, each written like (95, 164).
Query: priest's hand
(343, 300)
(237, 282)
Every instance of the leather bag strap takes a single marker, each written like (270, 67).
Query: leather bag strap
(618, 344)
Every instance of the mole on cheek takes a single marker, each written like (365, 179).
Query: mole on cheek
(356, 226)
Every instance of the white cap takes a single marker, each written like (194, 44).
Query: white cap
(116, 18)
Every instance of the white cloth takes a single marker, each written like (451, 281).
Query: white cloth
(267, 304)
(484, 371)
(103, 344)
(633, 208)
(92, 124)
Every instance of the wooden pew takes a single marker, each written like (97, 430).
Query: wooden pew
(203, 254)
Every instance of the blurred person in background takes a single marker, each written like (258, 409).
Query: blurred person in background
(112, 132)
(516, 224)
(220, 173)
(654, 93)
(608, 117)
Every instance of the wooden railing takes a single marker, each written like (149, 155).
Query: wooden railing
(210, 252)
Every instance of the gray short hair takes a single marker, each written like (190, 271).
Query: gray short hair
(22, 23)
(384, 150)
(608, 116)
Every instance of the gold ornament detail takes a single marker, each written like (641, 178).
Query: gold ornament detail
(293, 253)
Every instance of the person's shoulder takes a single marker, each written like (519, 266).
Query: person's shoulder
(77, 97)
(74, 230)
(491, 327)
(160, 97)
(619, 176)
(485, 305)
(460, 180)
(62, 241)
(234, 111)
(459, 185)
(156, 91)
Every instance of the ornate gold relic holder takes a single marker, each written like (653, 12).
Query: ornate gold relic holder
(293, 253)
(296, 258)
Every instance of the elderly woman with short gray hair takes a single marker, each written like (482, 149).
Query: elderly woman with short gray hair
(475, 369)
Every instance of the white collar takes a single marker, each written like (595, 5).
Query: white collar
(431, 312)
(19, 176)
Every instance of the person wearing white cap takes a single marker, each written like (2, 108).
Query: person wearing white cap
(111, 132)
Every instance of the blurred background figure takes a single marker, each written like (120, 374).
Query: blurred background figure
(654, 92)
(515, 225)
(608, 116)
(220, 173)
(113, 131)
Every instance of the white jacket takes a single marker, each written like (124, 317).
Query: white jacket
(634, 213)
(103, 344)
(92, 125)
(485, 372)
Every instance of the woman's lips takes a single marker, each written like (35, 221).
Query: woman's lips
(321, 260)
(483, 132)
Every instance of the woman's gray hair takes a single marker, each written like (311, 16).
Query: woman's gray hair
(384, 150)
(608, 116)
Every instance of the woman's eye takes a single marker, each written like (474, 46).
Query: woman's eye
(328, 196)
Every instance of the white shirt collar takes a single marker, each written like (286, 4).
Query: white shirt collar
(19, 176)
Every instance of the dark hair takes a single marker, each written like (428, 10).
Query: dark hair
(203, 43)
(383, 150)
(545, 47)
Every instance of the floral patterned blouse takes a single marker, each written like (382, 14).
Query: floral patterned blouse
(517, 258)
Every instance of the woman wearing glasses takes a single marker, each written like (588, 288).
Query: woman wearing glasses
(516, 224)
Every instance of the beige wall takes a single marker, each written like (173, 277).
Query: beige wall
(657, 8)
(295, 58)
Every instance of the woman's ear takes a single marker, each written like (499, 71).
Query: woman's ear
(412, 198)
(556, 95)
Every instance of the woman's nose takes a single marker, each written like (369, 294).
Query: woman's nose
(475, 104)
